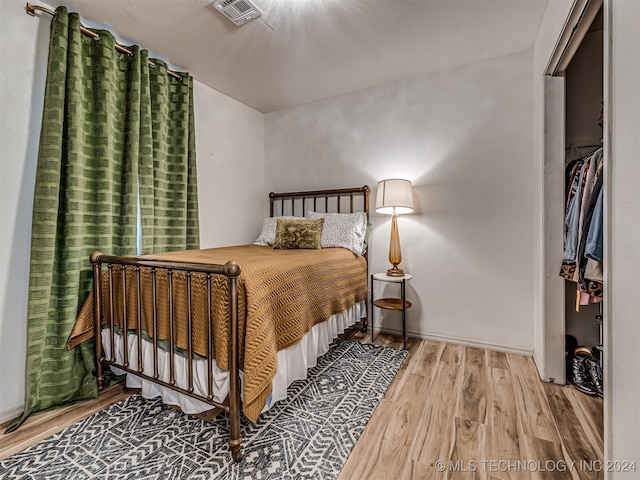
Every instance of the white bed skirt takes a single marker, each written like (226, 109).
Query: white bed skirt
(293, 363)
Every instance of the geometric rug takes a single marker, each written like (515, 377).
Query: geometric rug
(308, 435)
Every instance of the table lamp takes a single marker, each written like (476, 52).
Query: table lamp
(394, 197)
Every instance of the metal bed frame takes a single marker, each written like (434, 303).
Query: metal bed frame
(117, 265)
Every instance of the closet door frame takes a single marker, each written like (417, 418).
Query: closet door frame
(621, 232)
(576, 27)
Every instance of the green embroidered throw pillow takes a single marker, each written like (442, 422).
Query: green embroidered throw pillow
(292, 234)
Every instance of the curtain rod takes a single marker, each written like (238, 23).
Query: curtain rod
(32, 9)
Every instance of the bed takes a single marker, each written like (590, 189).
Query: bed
(227, 329)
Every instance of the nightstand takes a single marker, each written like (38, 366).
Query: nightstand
(400, 304)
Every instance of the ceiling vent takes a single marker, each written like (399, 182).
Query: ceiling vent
(238, 11)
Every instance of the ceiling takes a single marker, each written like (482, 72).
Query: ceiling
(301, 51)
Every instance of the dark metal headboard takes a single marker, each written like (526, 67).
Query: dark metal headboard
(324, 201)
(292, 203)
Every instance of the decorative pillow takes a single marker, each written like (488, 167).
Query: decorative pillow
(268, 234)
(292, 234)
(345, 230)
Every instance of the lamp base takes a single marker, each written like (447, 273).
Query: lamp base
(395, 272)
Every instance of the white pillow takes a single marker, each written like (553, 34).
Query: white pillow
(268, 235)
(346, 230)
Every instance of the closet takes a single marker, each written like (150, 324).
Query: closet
(574, 96)
(584, 135)
(621, 74)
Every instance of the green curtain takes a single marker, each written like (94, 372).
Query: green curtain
(117, 138)
(168, 187)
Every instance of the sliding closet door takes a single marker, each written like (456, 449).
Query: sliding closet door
(553, 369)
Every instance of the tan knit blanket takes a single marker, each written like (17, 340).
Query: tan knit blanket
(282, 295)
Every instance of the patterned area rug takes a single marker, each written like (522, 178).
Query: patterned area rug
(308, 435)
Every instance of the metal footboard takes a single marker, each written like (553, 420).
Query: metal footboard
(120, 266)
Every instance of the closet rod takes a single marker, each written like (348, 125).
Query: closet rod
(32, 9)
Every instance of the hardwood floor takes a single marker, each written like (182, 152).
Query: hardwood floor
(452, 412)
(456, 412)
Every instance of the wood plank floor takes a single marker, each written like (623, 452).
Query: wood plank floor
(456, 412)
(482, 414)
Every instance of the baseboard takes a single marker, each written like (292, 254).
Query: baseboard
(10, 414)
(528, 352)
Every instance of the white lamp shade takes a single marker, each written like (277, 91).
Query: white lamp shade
(394, 196)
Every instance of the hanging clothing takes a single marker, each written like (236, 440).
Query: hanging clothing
(583, 227)
(593, 271)
(585, 178)
(587, 219)
(572, 217)
(592, 183)
(593, 248)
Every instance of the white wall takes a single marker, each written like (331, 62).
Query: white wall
(229, 138)
(231, 171)
(463, 136)
(622, 237)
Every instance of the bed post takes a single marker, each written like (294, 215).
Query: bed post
(365, 323)
(232, 271)
(97, 315)
(271, 199)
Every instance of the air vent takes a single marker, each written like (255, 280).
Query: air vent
(238, 11)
